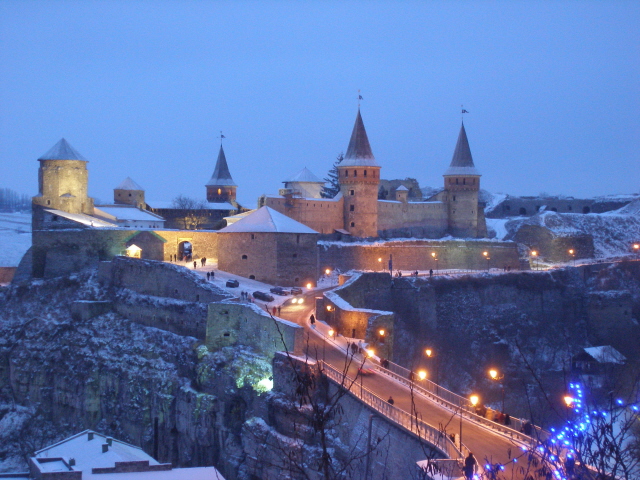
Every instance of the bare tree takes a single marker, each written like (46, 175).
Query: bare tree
(193, 217)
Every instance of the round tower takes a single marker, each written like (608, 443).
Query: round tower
(462, 183)
(63, 180)
(359, 181)
(129, 193)
(221, 187)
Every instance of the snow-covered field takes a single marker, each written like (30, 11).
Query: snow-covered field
(15, 237)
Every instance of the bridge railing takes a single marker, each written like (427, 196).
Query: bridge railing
(453, 401)
(418, 427)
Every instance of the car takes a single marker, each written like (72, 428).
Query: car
(263, 296)
(296, 291)
(365, 371)
(298, 299)
(232, 283)
(279, 291)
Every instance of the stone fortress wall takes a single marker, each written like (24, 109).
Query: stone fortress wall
(429, 217)
(513, 206)
(323, 215)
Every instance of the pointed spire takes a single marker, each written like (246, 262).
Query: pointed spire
(221, 175)
(62, 151)
(462, 161)
(359, 151)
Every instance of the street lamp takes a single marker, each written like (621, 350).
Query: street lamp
(486, 256)
(309, 286)
(636, 249)
(572, 253)
(380, 263)
(534, 255)
(422, 374)
(473, 399)
(495, 375)
(435, 259)
(327, 271)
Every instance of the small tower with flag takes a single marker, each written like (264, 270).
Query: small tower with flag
(462, 184)
(359, 177)
(221, 187)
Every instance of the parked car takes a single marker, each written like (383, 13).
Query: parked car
(298, 299)
(263, 296)
(233, 283)
(365, 371)
(279, 291)
(296, 291)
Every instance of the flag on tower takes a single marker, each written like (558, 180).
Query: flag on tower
(360, 97)
(465, 111)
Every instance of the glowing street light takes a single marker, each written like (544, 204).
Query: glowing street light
(636, 249)
(309, 286)
(495, 375)
(370, 352)
(381, 332)
(327, 271)
(428, 352)
(569, 401)
(473, 399)
(534, 255)
(422, 374)
(487, 258)
(572, 252)
(435, 259)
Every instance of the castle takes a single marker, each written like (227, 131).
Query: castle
(357, 210)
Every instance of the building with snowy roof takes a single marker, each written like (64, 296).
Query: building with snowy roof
(89, 454)
(358, 209)
(269, 247)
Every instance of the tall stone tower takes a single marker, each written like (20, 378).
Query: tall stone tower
(63, 180)
(221, 187)
(129, 193)
(461, 184)
(359, 180)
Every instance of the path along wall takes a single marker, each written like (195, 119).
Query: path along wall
(417, 255)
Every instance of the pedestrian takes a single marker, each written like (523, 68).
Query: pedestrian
(274, 310)
(208, 276)
(527, 428)
(354, 348)
(390, 401)
(470, 464)
(213, 274)
(279, 307)
(431, 272)
(202, 261)
(195, 265)
(312, 319)
(507, 419)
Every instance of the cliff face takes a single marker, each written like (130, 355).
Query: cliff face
(61, 374)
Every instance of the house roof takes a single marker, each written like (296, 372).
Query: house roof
(125, 212)
(605, 354)
(81, 218)
(221, 174)
(62, 151)
(462, 161)
(128, 184)
(303, 176)
(402, 188)
(359, 152)
(267, 220)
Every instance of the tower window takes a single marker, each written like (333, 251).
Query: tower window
(352, 208)
(253, 237)
(219, 191)
(457, 181)
(454, 198)
(352, 192)
(365, 173)
(297, 238)
(353, 224)
(355, 173)
(129, 194)
(464, 181)
(244, 257)
(346, 173)
(473, 181)
(252, 277)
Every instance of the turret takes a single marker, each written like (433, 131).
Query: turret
(359, 179)
(63, 180)
(129, 193)
(462, 183)
(221, 187)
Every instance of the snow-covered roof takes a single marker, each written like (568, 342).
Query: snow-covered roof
(221, 175)
(81, 218)
(303, 176)
(267, 220)
(606, 354)
(359, 152)
(164, 204)
(220, 206)
(402, 188)
(462, 161)
(62, 151)
(126, 212)
(128, 184)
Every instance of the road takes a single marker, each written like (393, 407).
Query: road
(486, 445)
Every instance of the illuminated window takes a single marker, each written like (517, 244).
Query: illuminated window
(219, 191)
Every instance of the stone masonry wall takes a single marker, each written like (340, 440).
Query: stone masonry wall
(230, 323)
(416, 255)
(430, 216)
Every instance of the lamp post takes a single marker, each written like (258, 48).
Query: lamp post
(435, 259)
(486, 256)
(497, 376)
(636, 249)
(572, 252)
(380, 264)
(327, 272)
(473, 399)
(534, 255)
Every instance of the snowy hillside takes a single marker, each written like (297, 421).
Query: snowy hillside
(15, 237)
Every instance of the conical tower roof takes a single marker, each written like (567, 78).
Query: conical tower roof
(462, 161)
(221, 175)
(359, 152)
(62, 151)
(129, 184)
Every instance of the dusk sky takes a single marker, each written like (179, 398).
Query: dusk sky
(142, 89)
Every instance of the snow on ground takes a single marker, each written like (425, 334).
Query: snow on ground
(15, 237)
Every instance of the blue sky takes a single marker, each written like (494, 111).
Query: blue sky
(142, 89)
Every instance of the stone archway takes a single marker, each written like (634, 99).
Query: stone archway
(185, 249)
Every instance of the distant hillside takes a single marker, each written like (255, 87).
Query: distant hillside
(15, 237)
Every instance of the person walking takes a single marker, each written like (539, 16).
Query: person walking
(431, 272)
(195, 265)
(390, 401)
(208, 276)
(274, 310)
(312, 319)
(279, 307)
(470, 464)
